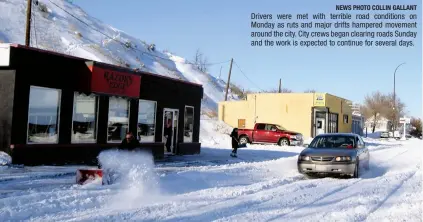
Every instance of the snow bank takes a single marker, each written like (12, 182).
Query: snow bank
(137, 183)
(5, 159)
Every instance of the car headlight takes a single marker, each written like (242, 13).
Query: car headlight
(306, 158)
(342, 158)
(298, 136)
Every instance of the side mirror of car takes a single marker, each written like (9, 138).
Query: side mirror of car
(305, 145)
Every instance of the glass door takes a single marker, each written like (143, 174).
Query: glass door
(170, 130)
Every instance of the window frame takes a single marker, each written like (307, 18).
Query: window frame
(155, 120)
(128, 100)
(361, 142)
(97, 107)
(346, 118)
(333, 122)
(193, 122)
(59, 109)
(260, 124)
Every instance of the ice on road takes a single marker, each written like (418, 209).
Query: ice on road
(216, 188)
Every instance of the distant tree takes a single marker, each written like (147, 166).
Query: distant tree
(200, 61)
(394, 113)
(283, 90)
(237, 90)
(416, 123)
(375, 106)
(309, 91)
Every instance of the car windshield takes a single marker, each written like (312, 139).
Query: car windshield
(280, 127)
(333, 142)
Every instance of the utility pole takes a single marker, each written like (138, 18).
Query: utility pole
(280, 85)
(229, 79)
(28, 23)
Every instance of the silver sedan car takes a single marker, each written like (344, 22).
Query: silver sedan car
(335, 153)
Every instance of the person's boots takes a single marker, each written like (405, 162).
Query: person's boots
(233, 154)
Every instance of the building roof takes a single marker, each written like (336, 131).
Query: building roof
(123, 69)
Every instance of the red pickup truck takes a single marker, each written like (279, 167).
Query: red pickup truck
(270, 133)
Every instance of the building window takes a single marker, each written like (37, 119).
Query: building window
(43, 115)
(345, 118)
(188, 123)
(118, 119)
(146, 120)
(333, 123)
(84, 121)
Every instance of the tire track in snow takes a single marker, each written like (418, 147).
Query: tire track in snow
(193, 204)
(396, 188)
(36, 177)
(334, 191)
(248, 203)
(368, 192)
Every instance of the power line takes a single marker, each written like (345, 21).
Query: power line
(124, 44)
(247, 76)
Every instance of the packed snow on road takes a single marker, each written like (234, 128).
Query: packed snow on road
(263, 184)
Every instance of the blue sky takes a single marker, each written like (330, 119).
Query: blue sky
(221, 30)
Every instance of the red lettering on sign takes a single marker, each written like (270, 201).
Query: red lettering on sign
(115, 83)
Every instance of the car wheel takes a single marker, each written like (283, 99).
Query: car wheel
(284, 142)
(356, 171)
(243, 140)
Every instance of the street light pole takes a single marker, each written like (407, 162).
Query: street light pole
(395, 101)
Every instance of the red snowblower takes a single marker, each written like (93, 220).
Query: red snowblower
(84, 176)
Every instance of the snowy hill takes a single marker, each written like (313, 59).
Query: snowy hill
(64, 27)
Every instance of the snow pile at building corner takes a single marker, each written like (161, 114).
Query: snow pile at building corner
(137, 183)
(214, 133)
(5, 159)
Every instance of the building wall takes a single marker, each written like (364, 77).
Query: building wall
(290, 110)
(358, 124)
(230, 112)
(74, 76)
(7, 88)
(341, 107)
(382, 124)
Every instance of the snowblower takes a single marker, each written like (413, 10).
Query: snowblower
(84, 176)
(107, 176)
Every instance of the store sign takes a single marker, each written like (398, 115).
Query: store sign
(115, 83)
(319, 99)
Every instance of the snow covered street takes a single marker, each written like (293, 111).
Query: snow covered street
(262, 185)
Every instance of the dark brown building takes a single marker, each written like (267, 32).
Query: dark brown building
(56, 108)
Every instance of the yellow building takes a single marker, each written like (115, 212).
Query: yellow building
(307, 113)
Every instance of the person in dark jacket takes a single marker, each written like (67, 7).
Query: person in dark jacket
(235, 142)
(130, 142)
(168, 135)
